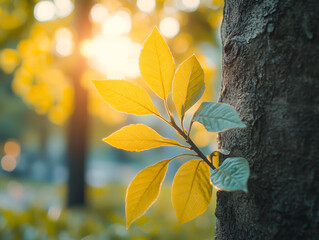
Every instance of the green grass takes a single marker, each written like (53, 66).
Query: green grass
(103, 218)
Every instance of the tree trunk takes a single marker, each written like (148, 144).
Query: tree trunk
(78, 126)
(271, 76)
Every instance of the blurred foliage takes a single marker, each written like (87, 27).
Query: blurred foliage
(34, 75)
(40, 84)
(13, 16)
(30, 51)
(103, 219)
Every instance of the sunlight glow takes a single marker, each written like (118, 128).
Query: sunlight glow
(99, 13)
(64, 42)
(169, 27)
(191, 5)
(146, 5)
(115, 57)
(45, 11)
(118, 24)
(112, 52)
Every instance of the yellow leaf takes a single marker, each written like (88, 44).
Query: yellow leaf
(144, 190)
(157, 64)
(126, 97)
(138, 137)
(188, 85)
(191, 190)
(216, 159)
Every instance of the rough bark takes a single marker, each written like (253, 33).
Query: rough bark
(271, 76)
(78, 126)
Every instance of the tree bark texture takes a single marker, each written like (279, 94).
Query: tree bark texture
(78, 125)
(271, 76)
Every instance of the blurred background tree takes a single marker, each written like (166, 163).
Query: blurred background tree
(50, 52)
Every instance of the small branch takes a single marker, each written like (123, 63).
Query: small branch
(192, 144)
(169, 123)
(187, 138)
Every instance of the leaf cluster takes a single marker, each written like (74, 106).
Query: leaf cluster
(192, 185)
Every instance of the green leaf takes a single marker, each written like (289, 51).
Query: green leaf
(222, 151)
(218, 117)
(232, 175)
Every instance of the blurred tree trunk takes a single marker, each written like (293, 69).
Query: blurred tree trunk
(78, 125)
(43, 153)
(271, 76)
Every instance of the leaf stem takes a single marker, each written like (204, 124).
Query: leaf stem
(183, 146)
(163, 119)
(167, 109)
(190, 128)
(184, 154)
(182, 124)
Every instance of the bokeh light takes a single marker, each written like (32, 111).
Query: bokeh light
(8, 163)
(99, 13)
(64, 42)
(12, 148)
(54, 213)
(201, 137)
(45, 11)
(190, 5)
(118, 24)
(181, 43)
(146, 5)
(63, 8)
(15, 190)
(169, 27)
(86, 48)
